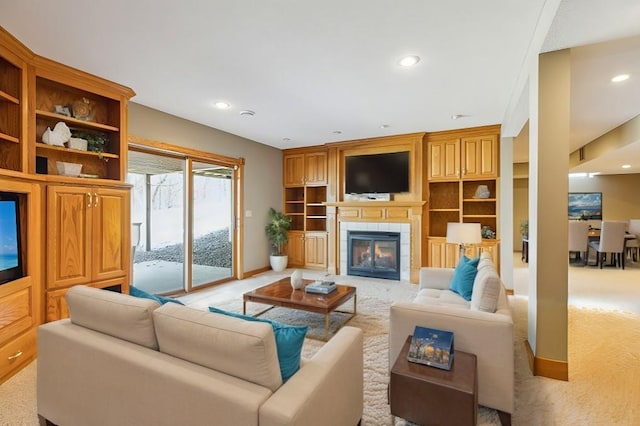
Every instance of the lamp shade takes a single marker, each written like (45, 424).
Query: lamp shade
(463, 233)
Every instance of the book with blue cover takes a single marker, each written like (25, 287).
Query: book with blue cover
(431, 347)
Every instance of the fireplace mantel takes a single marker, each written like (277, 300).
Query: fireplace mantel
(379, 212)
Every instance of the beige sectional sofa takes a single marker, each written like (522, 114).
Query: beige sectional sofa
(482, 326)
(121, 360)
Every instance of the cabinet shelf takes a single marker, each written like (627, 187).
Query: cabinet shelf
(7, 97)
(9, 138)
(316, 217)
(315, 204)
(444, 210)
(75, 121)
(478, 215)
(44, 146)
(294, 201)
(479, 200)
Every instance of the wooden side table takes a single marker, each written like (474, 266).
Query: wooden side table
(430, 396)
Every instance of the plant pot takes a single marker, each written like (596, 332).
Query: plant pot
(278, 263)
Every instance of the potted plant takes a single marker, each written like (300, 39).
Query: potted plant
(524, 228)
(277, 233)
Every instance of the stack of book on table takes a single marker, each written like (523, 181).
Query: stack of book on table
(322, 287)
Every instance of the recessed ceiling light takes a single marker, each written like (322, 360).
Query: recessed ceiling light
(384, 126)
(619, 78)
(626, 166)
(409, 61)
(457, 116)
(221, 105)
(337, 132)
(286, 139)
(247, 113)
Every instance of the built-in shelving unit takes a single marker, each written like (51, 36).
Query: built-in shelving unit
(82, 221)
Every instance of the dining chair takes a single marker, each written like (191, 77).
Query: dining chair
(633, 244)
(579, 238)
(611, 241)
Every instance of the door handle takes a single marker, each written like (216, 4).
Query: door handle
(90, 200)
(95, 200)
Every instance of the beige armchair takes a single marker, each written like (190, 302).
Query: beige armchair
(579, 238)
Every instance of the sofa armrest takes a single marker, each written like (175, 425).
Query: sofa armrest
(487, 335)
(327, 390)
(437, 278)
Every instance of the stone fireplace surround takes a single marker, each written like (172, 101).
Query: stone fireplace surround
(405, 242)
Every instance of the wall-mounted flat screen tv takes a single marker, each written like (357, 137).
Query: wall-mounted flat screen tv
(10, 254)
(377, 173)
(585, 205)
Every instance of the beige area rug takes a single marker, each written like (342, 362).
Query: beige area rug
(604, 363)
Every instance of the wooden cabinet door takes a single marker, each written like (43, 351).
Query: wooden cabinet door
(295, 248)
(442, 254)
(315, 250)
(444, 160)
(315, 168)
(294, 170)
(479, 157)
(111, 233)
(68, 235)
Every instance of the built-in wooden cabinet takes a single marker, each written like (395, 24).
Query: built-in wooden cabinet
(305, 195)
(87, 228)
(293, 169)
(20, 299)
(444, 159)
(295, 248)
(81, 228)
(462, 165)
(315, 250)
(13, 105)
(479, 157)
(315, 168)
(447, 255)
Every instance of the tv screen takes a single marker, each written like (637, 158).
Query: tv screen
(10, 258)
(585, 205)
(377, 173)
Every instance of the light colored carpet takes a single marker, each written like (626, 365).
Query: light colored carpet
(603, 360)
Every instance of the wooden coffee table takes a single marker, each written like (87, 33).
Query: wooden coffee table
(280, 293)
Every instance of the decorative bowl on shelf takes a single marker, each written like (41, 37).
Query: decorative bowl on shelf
(68, 169)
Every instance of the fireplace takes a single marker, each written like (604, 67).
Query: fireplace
(373, 254)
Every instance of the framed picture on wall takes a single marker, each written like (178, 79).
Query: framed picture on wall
(585, 205)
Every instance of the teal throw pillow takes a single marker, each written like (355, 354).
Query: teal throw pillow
(136, 292)
(463, 277)
(289, 340)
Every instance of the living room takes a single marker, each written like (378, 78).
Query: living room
(262, 167)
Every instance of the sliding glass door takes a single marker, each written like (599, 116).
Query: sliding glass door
(182, 221)
(212, 226)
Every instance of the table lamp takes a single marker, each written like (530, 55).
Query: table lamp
(463, 233)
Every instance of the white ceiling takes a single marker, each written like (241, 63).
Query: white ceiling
(309, 69)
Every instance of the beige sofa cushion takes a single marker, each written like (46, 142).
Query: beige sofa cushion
(486, 289)
(432, 296)
(118, 315)
(244, 349)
